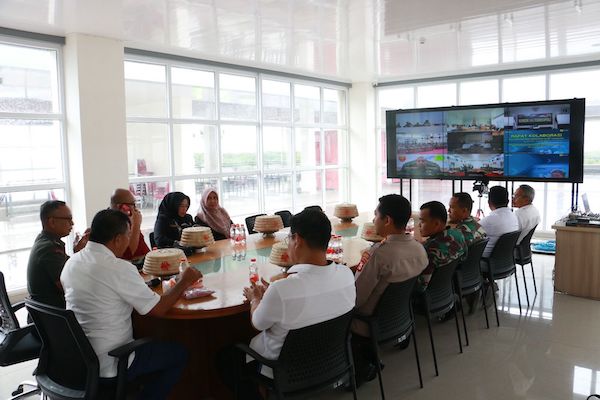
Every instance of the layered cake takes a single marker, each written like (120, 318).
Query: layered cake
(369, 233)
(279, 255)
(163, 262)
(345, 211)
(268, 223)
(196, 236)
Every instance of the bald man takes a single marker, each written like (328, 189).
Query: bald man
(124, 201)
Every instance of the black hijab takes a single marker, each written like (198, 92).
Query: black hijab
(169, 206)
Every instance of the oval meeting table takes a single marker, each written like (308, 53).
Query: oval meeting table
(206, 325)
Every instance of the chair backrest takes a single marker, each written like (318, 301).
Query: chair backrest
(469, 269)
(502, 258)
(523, 249)
(315, 355)
(286, 217)
(393, 314)
(152, 241)
(8, 320)
(440, 290)
(67, 360)
(250, 222)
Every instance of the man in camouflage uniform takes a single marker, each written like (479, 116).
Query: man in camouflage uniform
(47, 257)
(459, 213)
(443, 244)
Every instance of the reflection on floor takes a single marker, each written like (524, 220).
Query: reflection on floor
(551, 351)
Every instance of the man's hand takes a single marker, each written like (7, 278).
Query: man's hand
(189, 276)
(136, 217)
(254, 292)
(80, 242)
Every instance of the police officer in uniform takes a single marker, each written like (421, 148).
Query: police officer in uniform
(48, 256)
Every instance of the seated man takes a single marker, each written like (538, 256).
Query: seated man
(501, 220)
(102, 290)
(527, 215)
(48, 256)
(397, 258)
(443, 244)
(124, 201)
(459, 213)
(315, 290)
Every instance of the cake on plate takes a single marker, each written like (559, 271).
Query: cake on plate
(279, 255)
(268, 223)
(163, 262)
(345, 211)
(197, 236)
(369, 233)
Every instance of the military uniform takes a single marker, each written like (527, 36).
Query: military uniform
(443, 248)
(471, 230)
(46, 262)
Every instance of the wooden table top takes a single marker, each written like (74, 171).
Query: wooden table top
(227, 273)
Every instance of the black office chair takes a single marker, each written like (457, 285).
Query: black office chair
(501, 264)
(469, 279)
(523, 257)
(439, 299)
(286, 217)
(318, 208)
(152, 241)
(312, 358)
(17, 344)
(393, 319)
(250, 223)
(68, 367)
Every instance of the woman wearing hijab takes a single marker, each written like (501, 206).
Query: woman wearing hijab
(172, 218)
(214, 216)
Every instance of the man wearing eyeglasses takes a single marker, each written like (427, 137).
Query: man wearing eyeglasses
(47, 257)
(124, 201)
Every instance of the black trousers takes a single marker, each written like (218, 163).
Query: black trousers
(231, 364)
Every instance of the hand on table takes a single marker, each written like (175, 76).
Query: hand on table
(254, 292)
(189, 276)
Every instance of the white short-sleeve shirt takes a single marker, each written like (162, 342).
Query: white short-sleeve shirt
(528, 217)
(311, 294)
(102, 290)
(500, 221)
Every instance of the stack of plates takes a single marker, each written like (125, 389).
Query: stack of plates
(197, 236)
(268, 223)
(369, 233)
(163, 262)
(279, 255)
(346, 211)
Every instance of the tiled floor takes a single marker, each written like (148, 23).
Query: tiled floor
(551, 351)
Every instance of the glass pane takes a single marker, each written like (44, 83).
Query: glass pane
(309, 189)
(239, 195)
(14, 267)
(29, 81)
(526, 88)
(335, 186)
(276, 101)
(334, 106)
(35, 157)
(591, 154)
(307, 104)
(278, 192)
(479, 92)
(425, 190)
(436, 95)
(237, 97)
(194, 189)
(193, 93)
(238, 144)
(277, 147)
(20, 217)
(388, 186)
(393, 99)
(308, 147)
(332, 147)
(558, 202)
(147, 149)
(578, 84)
(148, 196)
(196, 147)
(145, 90)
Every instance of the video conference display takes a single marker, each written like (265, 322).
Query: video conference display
(534, 141)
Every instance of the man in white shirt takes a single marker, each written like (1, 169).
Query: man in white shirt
(314, 289)
(501, 220)
(527, 215)
(102, 290)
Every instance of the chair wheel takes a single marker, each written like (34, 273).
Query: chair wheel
(18, 391)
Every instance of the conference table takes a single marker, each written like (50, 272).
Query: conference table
(206, 325)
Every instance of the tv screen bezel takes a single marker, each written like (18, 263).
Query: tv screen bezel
(576, 141)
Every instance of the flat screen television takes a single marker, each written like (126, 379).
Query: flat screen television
(528, 141)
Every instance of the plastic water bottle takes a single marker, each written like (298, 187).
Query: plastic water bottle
(232, 234)
(253, 271)
(243, 235)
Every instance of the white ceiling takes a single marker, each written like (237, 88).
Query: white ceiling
(358, 40)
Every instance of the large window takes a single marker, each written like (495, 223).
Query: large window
(553, 199)
(31, 149)
(266, 143)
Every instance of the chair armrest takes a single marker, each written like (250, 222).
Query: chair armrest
(17, 306)
(247, 350)
(128, 348)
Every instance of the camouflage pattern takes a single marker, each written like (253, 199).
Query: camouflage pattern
(443, 248)
(471, 230)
